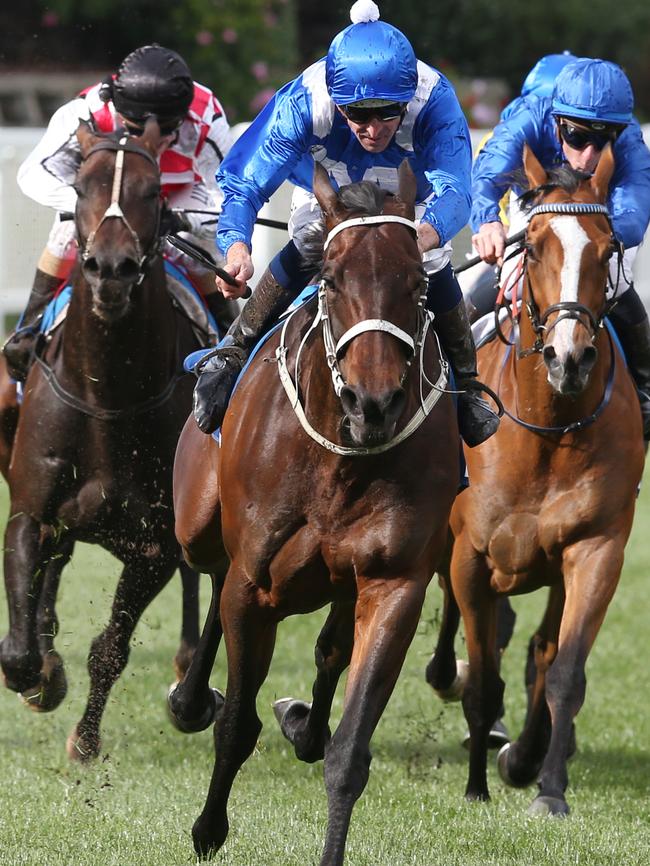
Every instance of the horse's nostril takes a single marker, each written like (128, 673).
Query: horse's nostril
(127, 270)
(90, 265)
(549, 353)
(349, 401)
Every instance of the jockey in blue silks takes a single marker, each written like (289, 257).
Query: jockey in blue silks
(360, 112)
(591, 106)
(478, 282)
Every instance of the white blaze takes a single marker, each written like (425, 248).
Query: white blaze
(573, 239)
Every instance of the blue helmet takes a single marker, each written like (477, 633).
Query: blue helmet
(541, 78)
(370, 60)
(593, 90)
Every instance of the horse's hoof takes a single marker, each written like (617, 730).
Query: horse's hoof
(210, 715)
(52, 689)
(82, 749)
(454, 692)
(504, 770)
(497, 737)
(287, 712)
(552, 807)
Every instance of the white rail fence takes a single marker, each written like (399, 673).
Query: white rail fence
(24, 227)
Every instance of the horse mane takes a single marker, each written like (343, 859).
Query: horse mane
(561, 177)
(363, 197)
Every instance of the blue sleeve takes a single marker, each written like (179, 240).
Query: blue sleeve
(503, 154)
(629, 196)
(261, 159)
(443, 144)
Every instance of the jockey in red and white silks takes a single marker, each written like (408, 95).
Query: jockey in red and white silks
(188, 166)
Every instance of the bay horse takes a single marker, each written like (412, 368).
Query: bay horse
(92, 456)
(333, 496)
(552, 493)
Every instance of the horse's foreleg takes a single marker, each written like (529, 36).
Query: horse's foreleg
(190, 619)
(483, 694)
(519, 763)
(305, 725)
(250, 637)
(53, 686)
(387, 613)
(446, 674)
(138, 585)
(25, 556)
(592, 569)
(193, 706)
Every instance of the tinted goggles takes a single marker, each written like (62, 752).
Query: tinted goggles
(360, 114)
(580, 137)
(166, 126)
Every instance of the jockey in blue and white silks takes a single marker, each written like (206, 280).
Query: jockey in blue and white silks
(302, 124)
(359, 112)
(591, 106)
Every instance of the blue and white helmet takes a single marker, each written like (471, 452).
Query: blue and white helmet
(593, 90)
(370, 60)
(540, 81)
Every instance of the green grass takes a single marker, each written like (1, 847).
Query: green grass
(136, 805)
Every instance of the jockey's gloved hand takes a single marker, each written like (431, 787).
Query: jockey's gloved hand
(172, 222)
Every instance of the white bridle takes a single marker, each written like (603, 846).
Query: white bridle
(333, 350)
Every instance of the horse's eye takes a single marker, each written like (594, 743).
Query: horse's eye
(78, 190)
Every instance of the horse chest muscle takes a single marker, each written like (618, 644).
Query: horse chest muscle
(524, 542)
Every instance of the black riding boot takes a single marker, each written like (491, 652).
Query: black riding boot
(635, 340)
(219, 370)
(19, 347)
(476, 421)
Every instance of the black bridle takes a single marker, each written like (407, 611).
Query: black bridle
(566, 309)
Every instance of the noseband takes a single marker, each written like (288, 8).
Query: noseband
(114, 210)
(566, 309)
(333, 349)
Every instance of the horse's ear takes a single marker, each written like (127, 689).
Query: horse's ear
(603, 174)
(324, 191)
(535, 173)
(408, 186)
(150, 138)
(85, 136)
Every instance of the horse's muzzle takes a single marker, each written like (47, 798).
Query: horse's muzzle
(372, 418)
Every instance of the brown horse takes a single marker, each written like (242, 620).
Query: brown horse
(93, 451)
(330, 513)
(552, 494)
(9, 409)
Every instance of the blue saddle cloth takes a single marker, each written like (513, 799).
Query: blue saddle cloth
(194, 357)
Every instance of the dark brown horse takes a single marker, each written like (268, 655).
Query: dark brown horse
(552, 494)
(339, 500)
(93, 450)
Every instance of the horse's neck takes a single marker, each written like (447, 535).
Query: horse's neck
(144, 339)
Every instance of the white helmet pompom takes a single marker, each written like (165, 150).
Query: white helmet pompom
(363, 11)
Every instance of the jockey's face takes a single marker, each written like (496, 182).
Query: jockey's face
(374, 134)
(583, 143)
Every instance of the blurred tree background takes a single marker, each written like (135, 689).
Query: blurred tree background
(245, 49)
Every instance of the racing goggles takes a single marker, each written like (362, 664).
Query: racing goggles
(580, 137)
(364, 114)
(167, 126)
